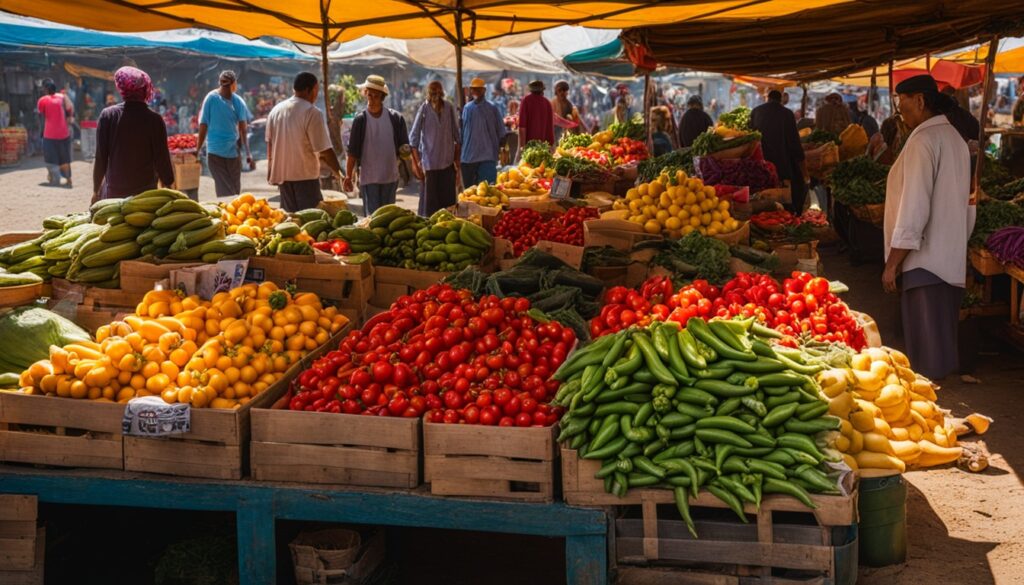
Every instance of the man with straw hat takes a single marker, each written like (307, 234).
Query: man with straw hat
(482, 130)
(377, 138)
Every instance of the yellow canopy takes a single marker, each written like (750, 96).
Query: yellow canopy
(316, 21)
(1009, 62)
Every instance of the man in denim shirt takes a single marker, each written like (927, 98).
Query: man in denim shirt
(435, 148)
(482, 131)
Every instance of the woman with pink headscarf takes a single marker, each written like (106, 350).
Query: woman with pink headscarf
(131, 141)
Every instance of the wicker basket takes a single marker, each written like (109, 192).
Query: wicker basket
(779, 195)
(740, 235)
(873, 213)
(984, 262)
(323, 556)
(741, 151)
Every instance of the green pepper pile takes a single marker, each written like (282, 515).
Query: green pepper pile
(711, 406)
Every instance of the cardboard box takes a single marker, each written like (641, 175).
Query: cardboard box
(389, 283)
(142, 277)
(790, 254)
(186, 175)
(349, 286)
(571, 255)
(617, 233)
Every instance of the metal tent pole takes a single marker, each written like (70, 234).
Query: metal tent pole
(990, 62)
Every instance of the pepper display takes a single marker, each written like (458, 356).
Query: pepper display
(802, 306)
(683, 409)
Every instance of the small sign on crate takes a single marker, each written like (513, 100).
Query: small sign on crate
(561, 187)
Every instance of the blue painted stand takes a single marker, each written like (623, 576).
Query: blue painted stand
(257, 505)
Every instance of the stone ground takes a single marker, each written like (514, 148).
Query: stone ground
(963, 528)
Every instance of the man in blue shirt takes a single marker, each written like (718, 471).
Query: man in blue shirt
(482, 130)
(222, 128)
(434, 139)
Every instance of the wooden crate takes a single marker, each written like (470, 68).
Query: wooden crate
(47, 430)
(92, 306)
(345, 449)
(11, 238)
(15, 296)
(507, 463)
(348, 286)
(17, 533)
(186, 175)
(791, 548)
(34, 574)
(217, 446)
(581, 488)
(138, 277)
(984, 262)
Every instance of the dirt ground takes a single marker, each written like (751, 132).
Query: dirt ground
(963, 528)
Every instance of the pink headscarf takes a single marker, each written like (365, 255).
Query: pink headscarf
(133, 84)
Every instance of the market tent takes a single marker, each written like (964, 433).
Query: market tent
(824, 42)
(28, 32)
(608, 60)
(460, 21)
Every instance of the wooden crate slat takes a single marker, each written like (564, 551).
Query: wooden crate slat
(187, 458)
(220, 425)
(663, 576)
(788, 556)
(719, 530)
(274, 462)
(312, 428)
(17, 554)
(340, 457)
(97, 450)
(88, 415)
(17, 529)
(17, 508)
(34, 574)
(513, 442)
(474, 467)
(487, 489)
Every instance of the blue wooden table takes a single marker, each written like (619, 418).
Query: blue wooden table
(257, 505)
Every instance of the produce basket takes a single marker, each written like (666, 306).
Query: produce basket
(319, 556)
(740, 235)
(873, 213)
(14, 296)
(820, 160)
(981, 259)
(741, 151)
(780, 195)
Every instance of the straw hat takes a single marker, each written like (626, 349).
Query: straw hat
(375, 82)
(477, 83)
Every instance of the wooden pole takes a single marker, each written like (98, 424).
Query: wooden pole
(648, 102)
(458, 59)
(928, 62)
(871, 92)
(892, 96)
(803, 101)
(990, 62)
(324, 63)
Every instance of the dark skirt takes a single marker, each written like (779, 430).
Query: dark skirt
(57, 152)
(931, 317)
(438, 191)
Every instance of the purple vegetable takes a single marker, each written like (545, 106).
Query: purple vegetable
(747, 172)
(1007, 245)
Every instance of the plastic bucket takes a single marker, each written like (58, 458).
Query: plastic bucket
(883, 521)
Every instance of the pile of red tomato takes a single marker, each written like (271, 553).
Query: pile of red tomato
(627, 150)
(592, 155)
(525, 227)
(442, 354)
(800, 305)
(182, 142)
(774, 220)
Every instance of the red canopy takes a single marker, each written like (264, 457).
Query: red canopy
(946, 74)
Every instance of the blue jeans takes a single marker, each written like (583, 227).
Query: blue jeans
(377, 195)
(474, 173)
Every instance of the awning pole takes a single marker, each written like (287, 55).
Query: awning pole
(324, 64)
(871, 92)
(990, 62)
(648, 104)
(892, 96)
(458, 59)
(803, 101)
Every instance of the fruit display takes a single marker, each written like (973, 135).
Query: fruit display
(755, 173)
(208, 354)
(486, 195)
(734, 121)
(676, 206)
(40, 259)
(721, 139)
(669, 163)
(398, 237)
(443, 354)
(182, 142)
(525, 227)
(526, 181)
(801, 307)
(709, 406)
(251, 217)
(889, 417)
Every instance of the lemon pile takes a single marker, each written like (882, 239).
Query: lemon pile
(676, 206)
(484, 194)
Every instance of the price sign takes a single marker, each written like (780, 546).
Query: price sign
(561, 187)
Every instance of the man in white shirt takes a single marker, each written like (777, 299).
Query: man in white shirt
(297, 141)
(929, 217)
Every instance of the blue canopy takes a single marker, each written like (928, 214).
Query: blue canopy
(60, 37)
(607, 60)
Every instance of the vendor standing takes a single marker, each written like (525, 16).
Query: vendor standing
(928, 219)
(223, 129)
(131, 141)
(435, 143)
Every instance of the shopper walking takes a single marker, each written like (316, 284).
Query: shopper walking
(297, 143)
(928, 219)
(377, 136)
(536, 117)
(435, 143)
(56, 110)
(131, 142)
(223, 129)
(781, 144)
(482, 131)
(695, 121)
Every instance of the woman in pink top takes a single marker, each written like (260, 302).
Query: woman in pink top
(56, 109)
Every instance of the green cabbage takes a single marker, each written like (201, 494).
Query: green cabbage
(26, 334)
